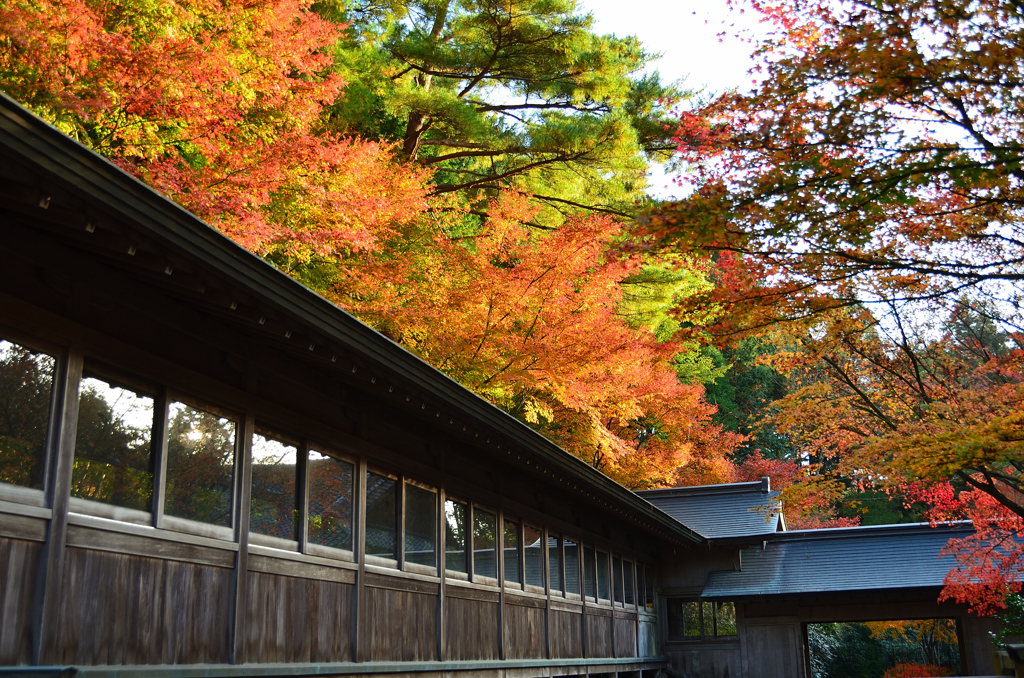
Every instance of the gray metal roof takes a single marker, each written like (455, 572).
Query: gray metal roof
(842, 559)
(728, 511)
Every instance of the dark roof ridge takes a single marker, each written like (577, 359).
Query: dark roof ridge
(721, 488)
(24, 134)
(826, 533)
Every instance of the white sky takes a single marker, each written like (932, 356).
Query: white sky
(685, 33)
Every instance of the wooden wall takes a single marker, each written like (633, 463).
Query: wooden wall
(471, 625)
(524, 628)
(19, 562)
(126, 609)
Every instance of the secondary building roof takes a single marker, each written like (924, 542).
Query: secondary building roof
(845, 560)
(730, 511)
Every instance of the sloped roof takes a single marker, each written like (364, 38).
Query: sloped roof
(172, 242)
(729, 511)
(840, 560)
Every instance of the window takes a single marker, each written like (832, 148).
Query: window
(113, 444)
(200, 465)
(627, 579)
(555, 564)
(572, 567)
(648, 588)
(420, 526)
(617, 579)
(692, 619)
(455, 541)
(381, 526)
(485, 553)
(511, 542)
(533, 551)
(603, 585)
(273, 503)
(589, 572)
(26, 383)
(330, 501)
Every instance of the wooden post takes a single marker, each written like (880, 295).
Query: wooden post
(60, 448)
(161, 413)
(302, 495)
(546, 572)
(500, 540)
(359, 551)
(441, 564)
(582, 564)
(243, 496)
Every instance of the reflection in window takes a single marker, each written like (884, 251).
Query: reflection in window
(273, 507)
(602, 575)
(555, 564)
(617, 579)
(330, 501)
(455, 536)
(485, 554)
(589, 575)
(572, 567)
(533, 550)
(381, 493)
(420, 526)
(200, 465)
(693, 619)
(648, 588)
(627, 580)
(26, 382)
(511, 549)
(113, 445)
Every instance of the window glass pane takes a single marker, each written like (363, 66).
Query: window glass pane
(649, 587)
(26, 382)
(381, 493)
(627, 580)
(511, 549)
(617, 579)
(485, 554)
(455, 536)
(603, 590)
(200, 465)
(555, 564)
(572, 567)
(708, 614)
(534, 551)
(725, 619)
(589, 574)
(113, 445)
(272, 506)
(683, 618)
(420, 526)
(330, 501)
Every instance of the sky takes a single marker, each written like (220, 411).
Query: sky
(685, 33)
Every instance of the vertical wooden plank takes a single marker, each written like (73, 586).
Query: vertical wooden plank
(442, 551)
(582, 566)
(302, 496)
(243, 480)
(359, 551)
(611, 597)
(546, 570)
(61, 450)
(500, 539)
(159, 447)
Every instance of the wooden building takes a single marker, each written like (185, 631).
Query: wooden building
(206, 469)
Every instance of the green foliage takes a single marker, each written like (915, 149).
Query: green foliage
(1011, 618)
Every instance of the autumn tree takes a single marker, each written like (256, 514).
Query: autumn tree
(513, 94)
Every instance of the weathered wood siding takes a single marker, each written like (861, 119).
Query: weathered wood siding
(772, 650)
(399, 625)
(709, 660)
(648, 637)
(292, 619)
(599, 633)
(566, 634)
(19, 562)
(524, 629)
(471, 629)
(125, 609)
(625, 637)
